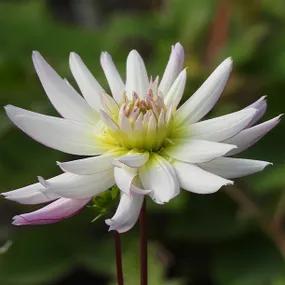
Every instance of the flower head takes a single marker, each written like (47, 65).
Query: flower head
(138, 139)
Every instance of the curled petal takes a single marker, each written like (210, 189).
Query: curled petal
(124, 177)
(250, 136)
(62, 134)
(203, 100)
(134, 160)
(194, 179)
(63, 97)
(159, 176)
(127, 213)
(56, 211)
(88, 85)
(173, 68)
(229, 167)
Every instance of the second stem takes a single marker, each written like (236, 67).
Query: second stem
(143, 245)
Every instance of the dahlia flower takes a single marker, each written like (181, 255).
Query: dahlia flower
(138, 139)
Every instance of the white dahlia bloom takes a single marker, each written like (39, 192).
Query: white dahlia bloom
(138, 139)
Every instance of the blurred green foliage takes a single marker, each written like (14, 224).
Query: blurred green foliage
(235, 237)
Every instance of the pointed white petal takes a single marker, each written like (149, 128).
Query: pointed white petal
(127, 213)
(176, 91)
(87, 83)
(173, 68)
(64, 98)
(31, 194)
(250, 136)
(260, 105)
(203, 100)
(223, 127)
(196, 151)
(61, 134)
(137, 79)
(74, 186)
(194, 179)
(114, 79)
(124, 177)
(109, 105)
(87, 166)
(108, 121)
(229, 167)
(159, 176)
(56, 211)
(134, 160)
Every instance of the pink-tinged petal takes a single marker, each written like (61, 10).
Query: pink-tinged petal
(54, 212)
(173, 68)
(260, 105)
(250, 136)
(127, 213)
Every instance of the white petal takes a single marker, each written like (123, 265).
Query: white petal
(223, 127)
(87, 166)
(109, 105)
(250, 136)
(176, 91)
(114, 79)
(203, 100)
(127, 213)
(87, 83)
(260, 105)
(63, 97)
(31, 194)
(196, 151)
(70, 185)
(194, 179)
(124, 177)
(159, 176)
(173, 68)
(61, 134)
(108, 121)
(229, 167)
(134, 160)
(137, 79)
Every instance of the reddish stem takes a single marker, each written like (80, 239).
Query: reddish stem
(119, 267)
(143, 245)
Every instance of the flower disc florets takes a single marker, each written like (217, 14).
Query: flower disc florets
(136, 123)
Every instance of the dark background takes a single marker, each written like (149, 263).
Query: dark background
(235, 237)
